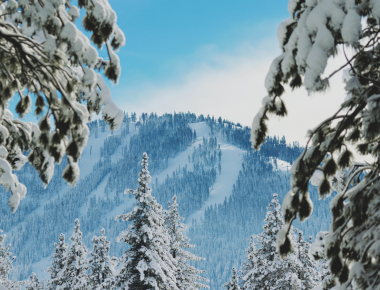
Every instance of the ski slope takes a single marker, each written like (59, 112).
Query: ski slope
(231, 164)
(232, 159)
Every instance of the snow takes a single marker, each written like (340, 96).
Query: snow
(91, 155)
(279, 164)
(232, 159)
(50, 45)
(282, 30)
(119, 37)
(316, 64)
(325, 39)
(3, 152)
(270, 79)
(74, 12)
(303, 47)
(40, 268)
(90, 56)
(351, 27)
(99, 12)
(89, 76)
(291, 6)
(111, 111)
(316, 177)
(69, 32)
(325, 10)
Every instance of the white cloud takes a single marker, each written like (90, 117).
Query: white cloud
(231, 85)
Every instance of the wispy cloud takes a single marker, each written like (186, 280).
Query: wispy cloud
(231, 85)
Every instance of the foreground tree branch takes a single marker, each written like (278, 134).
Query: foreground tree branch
(309, 38)
(44, 56)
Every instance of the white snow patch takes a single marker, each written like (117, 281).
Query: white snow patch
(232, 159)
(279, 164)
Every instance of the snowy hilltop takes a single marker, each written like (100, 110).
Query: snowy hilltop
(222, 187)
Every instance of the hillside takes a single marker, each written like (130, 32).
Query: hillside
(223, 188)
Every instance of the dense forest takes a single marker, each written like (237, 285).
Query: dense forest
(220, 235)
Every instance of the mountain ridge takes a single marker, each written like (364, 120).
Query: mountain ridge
(201, 164)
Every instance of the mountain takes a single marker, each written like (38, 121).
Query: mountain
(222, 187)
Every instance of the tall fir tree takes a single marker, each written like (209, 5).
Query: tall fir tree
(307, 272)
(57, 270)
(77, 263)
(34, 283)
(6, 261)
(188, 277)
(148, 263)
(101, 266)
(317, 250)
(233, 284)
(268, 270)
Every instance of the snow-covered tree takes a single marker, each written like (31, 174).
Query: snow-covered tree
(101, 266)
(34, 283)
(307, 271)
(233, 284)
(76, 259)
(45, 56)
(58, 267)
(148, 263)
(317, 251)
(268, 270)
(315, 32)
(6, 265)
(188, 277)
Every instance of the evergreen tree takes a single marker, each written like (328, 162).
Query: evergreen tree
(317, 250)
(148, 263)
(187, 276)
(101, 266)
(233, 284)
(76, 259)
(34, 283)
(307, 273)
(268, 270)
(6, 265)
(58, 268)
(316, 31)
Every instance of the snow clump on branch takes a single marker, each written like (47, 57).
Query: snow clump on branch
(43, 55)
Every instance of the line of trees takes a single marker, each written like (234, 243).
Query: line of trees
(157, 257)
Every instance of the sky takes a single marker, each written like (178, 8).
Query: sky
(210, 57)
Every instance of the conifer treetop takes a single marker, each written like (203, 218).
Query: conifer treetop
(233, 284)
(76, 260)
(148, 263)
(263, 267)
(6, 266)
(59, 263)
(188, 277)
(101, 265)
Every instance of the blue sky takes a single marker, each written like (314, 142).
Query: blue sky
(163, 34)
(209, 57)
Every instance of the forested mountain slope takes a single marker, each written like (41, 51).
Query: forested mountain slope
(223, 188)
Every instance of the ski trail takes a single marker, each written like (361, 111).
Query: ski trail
(232, 159)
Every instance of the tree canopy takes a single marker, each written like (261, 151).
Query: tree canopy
(44, 56)
(315, 32)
